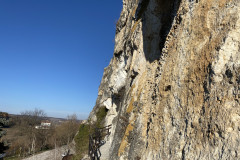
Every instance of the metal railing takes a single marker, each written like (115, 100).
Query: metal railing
(96, 140)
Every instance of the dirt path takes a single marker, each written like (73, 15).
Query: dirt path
(55, 154)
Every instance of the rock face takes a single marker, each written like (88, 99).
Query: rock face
(172, 88)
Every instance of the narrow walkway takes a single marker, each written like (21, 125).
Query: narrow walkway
(105, 151)
(96, 140)
(55, 154)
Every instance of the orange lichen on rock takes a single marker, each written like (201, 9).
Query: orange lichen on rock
(130, 107)
(124, 142)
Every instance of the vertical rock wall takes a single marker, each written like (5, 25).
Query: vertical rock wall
(172, 88)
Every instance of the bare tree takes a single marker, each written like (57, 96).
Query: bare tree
(33, 118)
(27, 127)
(67, 130)
(32, 139)
(72, 127)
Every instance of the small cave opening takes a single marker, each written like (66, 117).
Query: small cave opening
(228, 73)
(133, 76)
(117, 98)
(168, 88)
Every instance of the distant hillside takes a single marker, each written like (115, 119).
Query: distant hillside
(53, 120)
(31, 134)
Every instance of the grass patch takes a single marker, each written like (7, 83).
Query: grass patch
(12, 158)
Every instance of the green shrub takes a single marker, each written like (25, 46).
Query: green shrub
(101, 114)
(4, 121)
(82, 138)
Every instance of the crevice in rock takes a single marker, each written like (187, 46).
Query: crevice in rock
(133, 76)
(222, 151)
(208, 82)
(238, 79)
(142, 6)
(229, 75)
(166, 11)
(183, 152)
(117, 98)
(219, 131)
(117, 55)
(148, 125)
(148, 129)
(186, 122)
(167, 20)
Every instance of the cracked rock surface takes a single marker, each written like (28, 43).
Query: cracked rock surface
(172, 88)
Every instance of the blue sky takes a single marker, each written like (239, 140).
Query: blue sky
(53, 52)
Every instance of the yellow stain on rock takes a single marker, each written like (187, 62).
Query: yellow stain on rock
(222, 3)
(124, 142)
(135, 26)
(130, 107)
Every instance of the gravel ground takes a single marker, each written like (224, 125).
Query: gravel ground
(55, 154)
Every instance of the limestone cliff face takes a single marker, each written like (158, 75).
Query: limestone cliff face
(172, 88)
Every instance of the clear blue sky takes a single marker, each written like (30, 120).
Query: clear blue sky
(53, 52)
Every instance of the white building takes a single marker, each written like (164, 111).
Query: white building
(44, 125)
